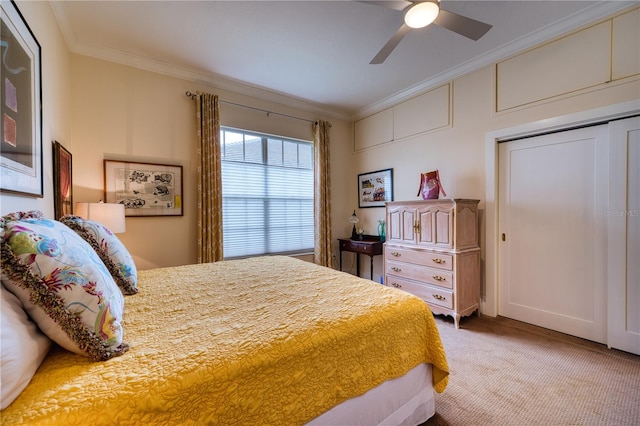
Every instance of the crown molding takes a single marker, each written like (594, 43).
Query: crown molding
(598, 11)
(209, 79)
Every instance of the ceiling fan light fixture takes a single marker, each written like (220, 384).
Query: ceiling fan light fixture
(421, 14)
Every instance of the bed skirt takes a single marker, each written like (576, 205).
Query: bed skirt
(407, 400)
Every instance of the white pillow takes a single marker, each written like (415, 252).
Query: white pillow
(22, 348)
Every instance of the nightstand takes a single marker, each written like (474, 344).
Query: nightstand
(369, 245)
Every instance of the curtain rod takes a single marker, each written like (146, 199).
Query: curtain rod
(193, 95)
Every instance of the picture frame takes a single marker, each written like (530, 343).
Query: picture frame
(145, 189)
(21, 106)
(375, 188)
(62, 181)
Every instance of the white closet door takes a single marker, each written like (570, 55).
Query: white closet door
(624, 236)
(552, 198)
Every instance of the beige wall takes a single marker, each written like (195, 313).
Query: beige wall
(124, 113)
(458, 152)
(56, 87)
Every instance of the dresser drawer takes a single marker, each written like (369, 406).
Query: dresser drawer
(420, 257)
(431, 295)
(420, 273)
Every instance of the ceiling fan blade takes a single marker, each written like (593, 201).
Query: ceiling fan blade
(391, 4)
(391, 44)
(462, 25)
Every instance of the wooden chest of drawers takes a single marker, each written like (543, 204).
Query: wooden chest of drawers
(432, 251)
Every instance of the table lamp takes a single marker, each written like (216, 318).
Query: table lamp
(354, 219)
(110, 215)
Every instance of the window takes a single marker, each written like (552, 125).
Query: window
(267, 194)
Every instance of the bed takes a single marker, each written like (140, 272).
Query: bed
(266, 340)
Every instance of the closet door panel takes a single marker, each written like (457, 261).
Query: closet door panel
(623, 215)
(552, 265)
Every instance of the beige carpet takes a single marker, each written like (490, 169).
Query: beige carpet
(505, 372)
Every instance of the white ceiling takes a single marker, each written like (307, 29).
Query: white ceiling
(315, 51)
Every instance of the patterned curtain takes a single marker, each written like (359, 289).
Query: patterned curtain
(209, 179)
(322, 194)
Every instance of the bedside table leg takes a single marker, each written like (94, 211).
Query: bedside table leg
(371, 277)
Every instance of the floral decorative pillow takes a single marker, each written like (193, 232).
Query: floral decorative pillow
(63, 284)
(113, 253)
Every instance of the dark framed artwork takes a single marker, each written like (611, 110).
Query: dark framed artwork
(21, 109)
(62, 181)
(145, 189)
(375, 188)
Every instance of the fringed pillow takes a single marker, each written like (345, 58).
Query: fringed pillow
(63, 285)
(113, 253)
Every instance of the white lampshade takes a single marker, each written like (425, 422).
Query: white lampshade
(108, 214)
(421, 14)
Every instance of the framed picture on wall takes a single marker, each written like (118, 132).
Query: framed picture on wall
(21, 105)
(62, 181)
(375, 188)
(145, 189)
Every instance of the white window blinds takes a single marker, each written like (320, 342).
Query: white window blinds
(267, 194)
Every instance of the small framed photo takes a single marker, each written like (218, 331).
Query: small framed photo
(62, 181)
(375, 188)
(145, 189)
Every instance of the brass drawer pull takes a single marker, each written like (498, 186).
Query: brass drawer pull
(438, 297)
(395, 269)
(438, 260)
(439, 278)
(395, 253)
(396, 285)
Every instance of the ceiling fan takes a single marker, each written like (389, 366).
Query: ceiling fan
(419, 14)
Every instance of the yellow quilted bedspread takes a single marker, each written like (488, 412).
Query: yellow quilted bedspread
(270, 340)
